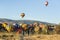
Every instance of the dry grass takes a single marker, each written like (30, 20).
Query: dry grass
(31, 37)
(43, 37)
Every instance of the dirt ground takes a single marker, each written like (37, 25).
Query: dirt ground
(13, 36)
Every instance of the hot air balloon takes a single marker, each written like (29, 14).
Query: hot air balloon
(6, 26)
(35, 23)
(36, 29)
(46, 3)
(22, 15)
(24, 26)
(16, 26)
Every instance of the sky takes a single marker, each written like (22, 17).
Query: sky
(33, 9)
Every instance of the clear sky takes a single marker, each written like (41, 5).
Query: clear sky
(34, 10)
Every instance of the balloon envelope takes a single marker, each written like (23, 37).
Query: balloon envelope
(22, 15)
(46, 3)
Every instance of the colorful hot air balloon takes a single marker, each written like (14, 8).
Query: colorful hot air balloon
(16, 26)
(22, 15)
(6, 26)
(24, 26)
(36, 29)
(46, 3)
(35, 24)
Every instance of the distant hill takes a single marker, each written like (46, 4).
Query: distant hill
(23, 21)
